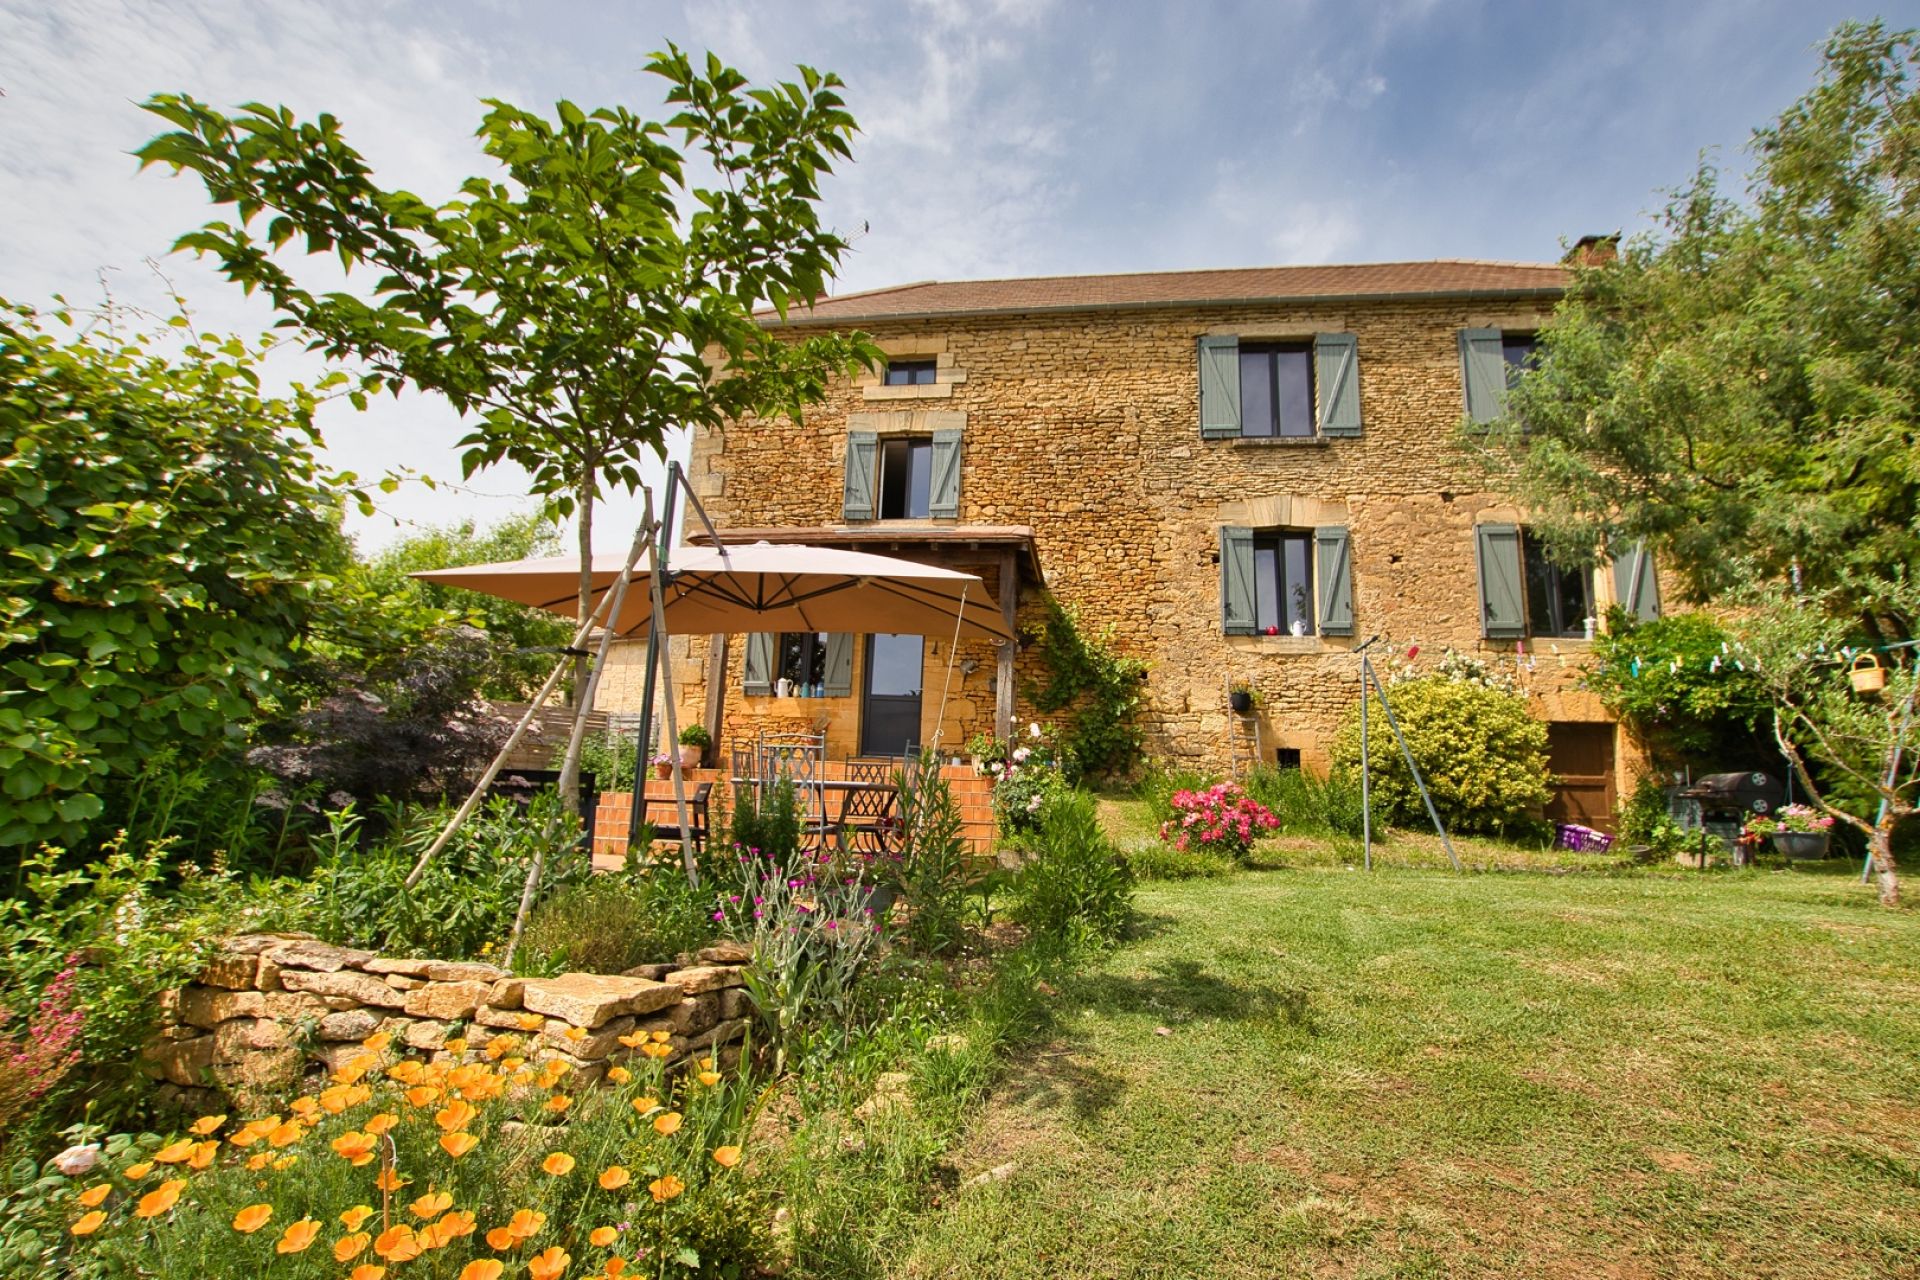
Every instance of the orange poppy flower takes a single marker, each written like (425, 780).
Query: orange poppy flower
(657, 1050)
(397, 1244)
(482, 1269)
(204, 1154)
(377, 1041)
(174, 1152)
(206, 1125)
(408, 1072)
(644, 1104)
(135, 1172)
(726, 1157)
(502, 1239)
(708, 1078)
(557, 1103)
(382, 1122)
(526, 1223)
(601, 1237)
(619, 1075)
(286, 1135)
(367, 1271)
(614, 1267)
(353, 1217)
(531, 1022)
(285, 1162)
(487, 1086)
(456, 1224)
(660, 1037)
(550, 1265)
(349, 1247)
(559, 1164)
(252, 1218)
(336, 1098)
(93, 1195)
(575, 1034)
(458, 1144)
(305, 1108)
(356, 1148)
(513, 1063)
(665, 1189)
(706, 1064)
(455, 1115)
(615, 1178)
(157, 1202)
(88, 1223)
(390, 1179)
(431, 1205)
(299, 1236)
(256, 1163)
(423, 1095)
(635, 1040)
(667, 1125)
(457, 1045)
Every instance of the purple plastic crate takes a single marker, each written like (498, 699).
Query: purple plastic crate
(1583, 839)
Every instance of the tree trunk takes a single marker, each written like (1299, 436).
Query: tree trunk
(1880, 846)
(582, 704)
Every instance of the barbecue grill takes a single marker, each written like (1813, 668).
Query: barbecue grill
(1721, 803)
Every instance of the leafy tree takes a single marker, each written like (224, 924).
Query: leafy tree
(1676, 684)
(524, 641)
(167, 549)
(580, 305)
(1739, 387)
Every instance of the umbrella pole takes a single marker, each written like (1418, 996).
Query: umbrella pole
(492, 771)
(657, 653)
(617, 596)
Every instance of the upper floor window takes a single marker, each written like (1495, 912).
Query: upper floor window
(1524, 592)
(909, 373)
(1276, 389)
(1279, 390)
(1286, 582)
(1559, 597)
(906, 477)
(1491, 361)
(1520, 351)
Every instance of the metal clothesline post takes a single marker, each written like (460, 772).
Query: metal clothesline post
(1369, 676)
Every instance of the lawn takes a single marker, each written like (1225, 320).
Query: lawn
(1415, 1073)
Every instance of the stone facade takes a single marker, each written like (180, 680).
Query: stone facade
(270, 1008)
(1084, 428)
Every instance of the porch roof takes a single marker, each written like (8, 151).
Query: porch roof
(945, 544)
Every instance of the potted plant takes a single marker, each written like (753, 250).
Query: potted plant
(663, 765)
(985, 749)
(1798, 831)
(694, 741)
(1242, 697)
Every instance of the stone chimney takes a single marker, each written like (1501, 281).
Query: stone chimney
(1593, 251)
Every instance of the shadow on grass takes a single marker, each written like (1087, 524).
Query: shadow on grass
(1184, 989)
(1057, 1079)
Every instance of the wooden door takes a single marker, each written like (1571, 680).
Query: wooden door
(1581, 758)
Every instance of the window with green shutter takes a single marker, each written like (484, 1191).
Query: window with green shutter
(756, 667)
(863, 451)
(1524, 591)
(1285, 582)
(1635, 587)
(1490, 362)
(1279, 390)
(1336, 361)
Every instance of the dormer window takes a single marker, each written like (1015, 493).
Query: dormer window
(909, 373)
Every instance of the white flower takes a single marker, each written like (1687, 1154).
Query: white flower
(1020, 755)
(79, 1161)
(1033, 803)
(1033, 729)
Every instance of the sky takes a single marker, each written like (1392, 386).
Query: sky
(999, 137)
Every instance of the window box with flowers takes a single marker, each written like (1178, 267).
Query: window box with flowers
(1798, 831)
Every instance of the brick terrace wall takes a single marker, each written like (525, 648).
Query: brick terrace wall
(974, 795)
(1086, 428)
(271, 1007)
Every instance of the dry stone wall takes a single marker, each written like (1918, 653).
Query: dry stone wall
(270, 1008)
(1086, 428)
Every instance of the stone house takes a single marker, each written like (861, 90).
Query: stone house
(1243, 473)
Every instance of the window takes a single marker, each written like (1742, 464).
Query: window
(803, 660)
(909, 373)
(1519, 350)
(1559, 600)
(906, 477)
(1283, 583)
(1276, 389)
(1523, 592)
(1286, 758)
(1492, 360)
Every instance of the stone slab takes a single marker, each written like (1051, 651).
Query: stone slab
(446, 1001)
(711, 977)
(357, 986)
(321, 957)
(590, 1000)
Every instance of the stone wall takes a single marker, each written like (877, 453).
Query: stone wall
(271, 1008)
(1085, 427)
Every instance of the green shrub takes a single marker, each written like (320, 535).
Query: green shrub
(610, 923)
(1077, 887)
(769, 825)
(1483, 755)
(464, 905)
(932, 870)
(1305, 803)
(609, 757)
(1160, 780)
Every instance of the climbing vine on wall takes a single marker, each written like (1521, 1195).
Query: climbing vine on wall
(1092, 688)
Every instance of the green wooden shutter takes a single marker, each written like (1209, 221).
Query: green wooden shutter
(1503, 605)
(839, 683)
(943, 502)
(1236, 581)
(1333, 579)
(863, 447)
(1336, 376)
(756, 672)
(1219, 388)
(1634, 586)
(1483, 371)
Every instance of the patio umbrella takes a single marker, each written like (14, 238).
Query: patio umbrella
(759, 587)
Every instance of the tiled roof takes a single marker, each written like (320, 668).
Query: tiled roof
(1443, 278)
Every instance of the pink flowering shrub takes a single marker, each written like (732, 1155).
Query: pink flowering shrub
(1222, 819)
(48, 1047)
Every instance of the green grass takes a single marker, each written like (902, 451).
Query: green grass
(1416, 1073)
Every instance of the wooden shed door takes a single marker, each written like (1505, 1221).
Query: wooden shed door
(1581, 757)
